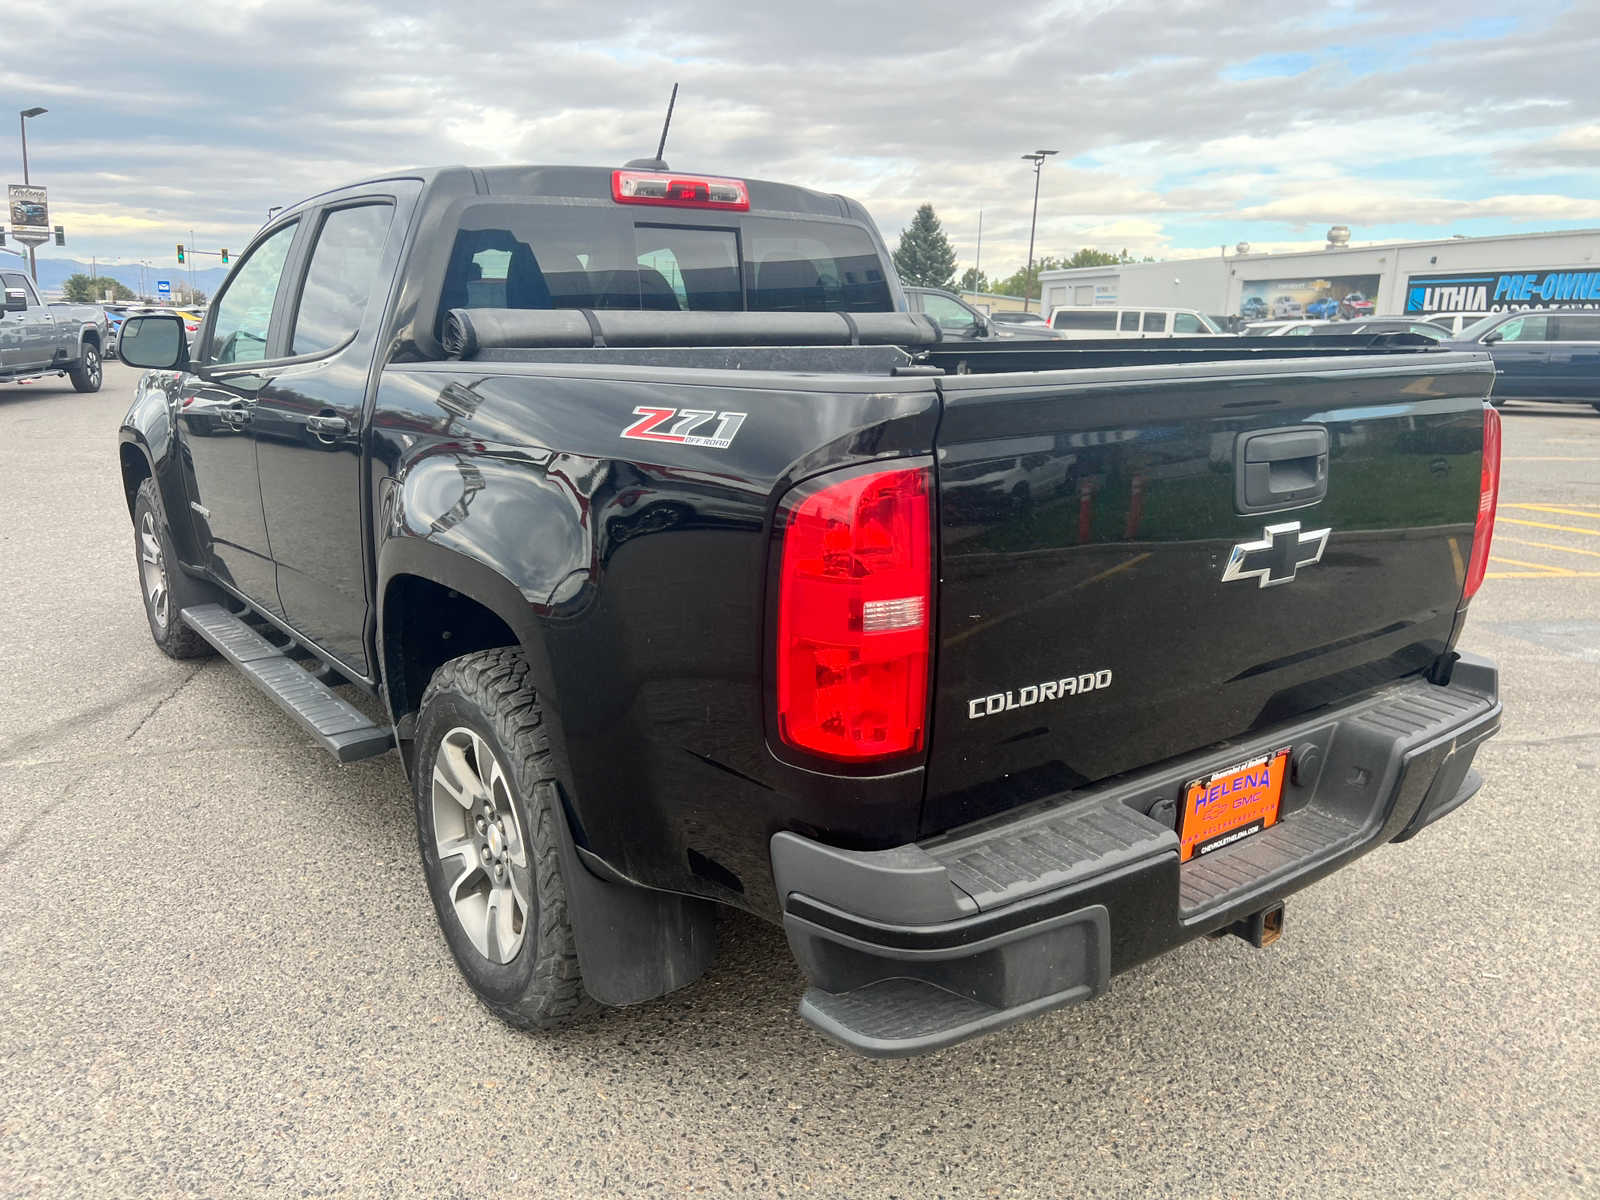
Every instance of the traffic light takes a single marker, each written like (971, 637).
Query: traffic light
(61, 235)
(224, 256)
(180, 252)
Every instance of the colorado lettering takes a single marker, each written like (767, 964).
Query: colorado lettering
(1037, 693)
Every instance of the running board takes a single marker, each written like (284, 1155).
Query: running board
(343, 730)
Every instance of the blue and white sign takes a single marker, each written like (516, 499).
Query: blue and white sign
(164, 287)
(1497, 291)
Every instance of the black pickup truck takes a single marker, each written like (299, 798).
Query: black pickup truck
(684, 567)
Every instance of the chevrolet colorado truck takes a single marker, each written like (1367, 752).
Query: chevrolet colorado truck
(683, 566)
(43, 339)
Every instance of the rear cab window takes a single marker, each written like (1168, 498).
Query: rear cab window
(537, 255)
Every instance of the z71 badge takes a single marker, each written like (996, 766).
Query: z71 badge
(685, 426)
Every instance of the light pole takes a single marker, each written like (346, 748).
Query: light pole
(22, 123)
(1037, 159)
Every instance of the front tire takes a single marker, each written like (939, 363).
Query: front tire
(484, 789)
(87, 374)
(166, 589)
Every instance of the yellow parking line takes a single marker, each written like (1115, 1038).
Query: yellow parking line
(1542, 575)
(1548, 546)
(1551, 508)
(1545, 567)
(1557, 528)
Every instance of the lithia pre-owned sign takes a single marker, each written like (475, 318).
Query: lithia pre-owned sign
(1495, 291)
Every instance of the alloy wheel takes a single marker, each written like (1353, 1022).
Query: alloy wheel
(153, 569)
(482, 848)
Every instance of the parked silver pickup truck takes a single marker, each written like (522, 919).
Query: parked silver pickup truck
(40, 339)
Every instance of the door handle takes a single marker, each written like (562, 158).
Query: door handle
(236, 414)
(1281, 468)
(325, 425)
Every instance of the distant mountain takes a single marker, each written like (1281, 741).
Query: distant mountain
(53, 274)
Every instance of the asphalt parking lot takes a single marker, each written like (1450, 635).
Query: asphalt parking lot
(222, 976)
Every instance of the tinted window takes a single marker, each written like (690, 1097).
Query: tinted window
(344, 266)
(245, 310)
(1578, 327)
(1084, 319)
(528, 255)
(1526, 329)
(1130, 321)
(1188, 323)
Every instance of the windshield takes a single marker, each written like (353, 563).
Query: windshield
(533, 255)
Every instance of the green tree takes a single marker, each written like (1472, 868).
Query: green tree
(924, 257)
(87, 289)
(1023, 283)
(973, 280)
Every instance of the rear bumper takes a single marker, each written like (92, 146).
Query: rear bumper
(915, 948)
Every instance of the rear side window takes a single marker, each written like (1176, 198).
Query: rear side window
(344, 266)
(1157, 323)
(1085, 319)
(541, 256)
(1129, 322)
(1578, 327)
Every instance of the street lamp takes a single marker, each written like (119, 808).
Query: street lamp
(1037, 159)
(22, 123)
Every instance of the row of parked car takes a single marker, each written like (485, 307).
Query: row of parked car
(1551, 354)
(1325, 308)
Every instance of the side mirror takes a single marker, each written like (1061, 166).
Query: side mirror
(16, 300)
(1493, 336)
(156, 341)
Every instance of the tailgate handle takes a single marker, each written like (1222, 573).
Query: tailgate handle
(1281, 468)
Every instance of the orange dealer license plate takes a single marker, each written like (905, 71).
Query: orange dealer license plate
(1231, 805)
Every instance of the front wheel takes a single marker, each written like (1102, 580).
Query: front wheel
(166, 589)
(86, 375)
(484, 787)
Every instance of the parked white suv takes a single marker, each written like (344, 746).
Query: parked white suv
(1080, 321)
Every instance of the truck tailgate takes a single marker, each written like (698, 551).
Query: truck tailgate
(1087, 520)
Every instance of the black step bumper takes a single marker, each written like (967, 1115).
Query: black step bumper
(918, 947)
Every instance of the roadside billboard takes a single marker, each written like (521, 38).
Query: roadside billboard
(30, 213)
(1496, 291)
(1293, 299)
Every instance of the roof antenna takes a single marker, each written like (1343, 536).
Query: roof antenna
(658, 163)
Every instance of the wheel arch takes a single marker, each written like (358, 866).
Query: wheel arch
(469, 606)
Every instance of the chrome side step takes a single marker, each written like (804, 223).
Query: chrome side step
(343, 730)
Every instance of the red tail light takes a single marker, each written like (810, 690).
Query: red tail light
(679, 191)
(1488, 501)
(855, 607)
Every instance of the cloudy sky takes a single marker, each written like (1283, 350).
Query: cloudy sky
(1180, 125)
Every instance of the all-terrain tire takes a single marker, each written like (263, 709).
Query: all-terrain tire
(87, 374)
(488, 694)
(153, 554)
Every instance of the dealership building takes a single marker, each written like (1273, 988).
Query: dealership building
(1457, 274)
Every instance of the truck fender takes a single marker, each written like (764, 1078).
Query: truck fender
(634, 943)
(146, 445)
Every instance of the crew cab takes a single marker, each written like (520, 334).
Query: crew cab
(38, 339)
(683, 566)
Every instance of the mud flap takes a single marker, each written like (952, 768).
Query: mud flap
(634, 943)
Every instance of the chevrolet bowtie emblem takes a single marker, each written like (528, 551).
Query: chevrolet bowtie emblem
(1277, 556)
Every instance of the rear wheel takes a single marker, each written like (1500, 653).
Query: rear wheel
(484, 788)
(166, 589)
(86, 375)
